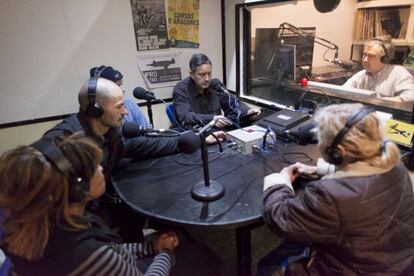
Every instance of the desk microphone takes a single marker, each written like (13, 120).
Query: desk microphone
(131, 130)
(207, 189)
(142, 94)
(346, 64)
(217, 85)
(304, 135)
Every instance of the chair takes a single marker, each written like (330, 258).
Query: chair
(4, 260)
(170, 110)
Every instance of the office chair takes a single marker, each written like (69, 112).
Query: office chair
(175, 124)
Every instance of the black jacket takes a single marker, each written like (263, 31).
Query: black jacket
(113, 144)
(192, 108)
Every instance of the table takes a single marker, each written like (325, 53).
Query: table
(161, 189)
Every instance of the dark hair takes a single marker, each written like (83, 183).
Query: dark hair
(35, 194)
(198, 60)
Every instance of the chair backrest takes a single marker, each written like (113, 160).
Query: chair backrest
(5, 267)
(170, 110)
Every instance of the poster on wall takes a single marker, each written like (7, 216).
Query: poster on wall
(183, 23)
(150, 24)
(159, 70)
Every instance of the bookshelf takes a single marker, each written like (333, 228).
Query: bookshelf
(379, 17)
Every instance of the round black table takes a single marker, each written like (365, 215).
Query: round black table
(161, 189)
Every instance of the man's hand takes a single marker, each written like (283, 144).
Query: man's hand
(167, 240)
(255, 112)
(221, 121)
(221, 135)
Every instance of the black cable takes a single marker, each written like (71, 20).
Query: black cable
(300, 157)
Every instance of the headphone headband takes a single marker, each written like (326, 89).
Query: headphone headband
(53, 154)
(352, 120)
(93, 110)
(78, 186)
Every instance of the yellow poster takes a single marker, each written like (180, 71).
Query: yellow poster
(399, 132)
(183, 23)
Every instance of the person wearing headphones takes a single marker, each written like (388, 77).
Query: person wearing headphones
(354, 221)
(100, 117)
(44, 191)
(135, 114)
(390, 82)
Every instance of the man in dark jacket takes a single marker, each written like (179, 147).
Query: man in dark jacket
(196, 102)
(101, 111)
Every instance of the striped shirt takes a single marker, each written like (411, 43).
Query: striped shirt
(121, 259)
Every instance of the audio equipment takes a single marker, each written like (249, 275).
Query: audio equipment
(333, 153)
(78, 186)
(387, 47)
(93, 109)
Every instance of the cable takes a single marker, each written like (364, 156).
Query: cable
(300, 157)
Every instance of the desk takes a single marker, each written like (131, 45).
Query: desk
(161, 189)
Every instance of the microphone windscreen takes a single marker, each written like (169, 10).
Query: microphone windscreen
(216, 84)
(130, 130)
(188, 142)
(142, 94)
(306, 135)
(347, 64)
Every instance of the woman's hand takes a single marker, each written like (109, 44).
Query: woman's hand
(305, 169)
(167, 240)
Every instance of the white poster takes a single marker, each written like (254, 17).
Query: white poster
(159, 70)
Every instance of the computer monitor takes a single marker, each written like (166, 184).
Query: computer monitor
(267, 42)
(282, 63)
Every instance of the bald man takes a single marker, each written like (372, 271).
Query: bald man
(390, 82)
(100, 116)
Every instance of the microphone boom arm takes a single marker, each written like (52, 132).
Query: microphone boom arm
(321, 41)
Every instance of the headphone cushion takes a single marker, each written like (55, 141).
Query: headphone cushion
(334, 155)
(94, 111)
(78, 189)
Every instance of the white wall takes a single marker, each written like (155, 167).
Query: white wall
(48, 46)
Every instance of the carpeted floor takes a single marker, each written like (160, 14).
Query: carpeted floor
(223, 243)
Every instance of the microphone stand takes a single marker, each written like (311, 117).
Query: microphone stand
(206, 190)
(149, 108)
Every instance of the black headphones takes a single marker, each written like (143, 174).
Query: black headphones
(93, 109)
(333, 154)
(387, 47)
(78, 186)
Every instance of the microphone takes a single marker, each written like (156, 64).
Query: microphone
(142, 94)
(131, 130)
(304, 135)
(346, 64)
(188, 142)
(217, 85)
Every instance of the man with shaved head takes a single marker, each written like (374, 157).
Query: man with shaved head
(100, 116)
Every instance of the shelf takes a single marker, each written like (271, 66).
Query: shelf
(384, 3)
(396, 42)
